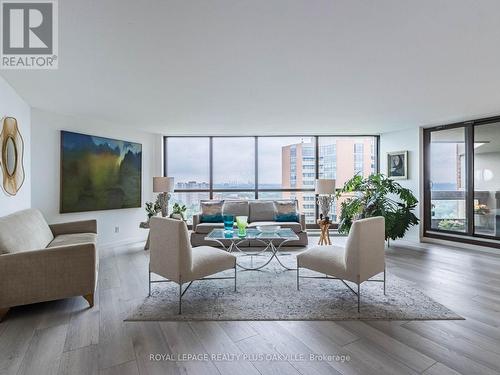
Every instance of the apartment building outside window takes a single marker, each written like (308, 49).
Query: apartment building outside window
(358, 158)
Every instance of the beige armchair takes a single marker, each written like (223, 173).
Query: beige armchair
(41, 263)
(362, 258)
(173, 258)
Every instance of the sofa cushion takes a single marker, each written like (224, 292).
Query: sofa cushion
(296, 227)
(261, 210)
(23, 231)
(235, 208)
(211, 211)
(205, 228)
(73, 239)
(286, 211)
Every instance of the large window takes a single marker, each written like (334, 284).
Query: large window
(264, 167)
(341, 158)
(462, 180)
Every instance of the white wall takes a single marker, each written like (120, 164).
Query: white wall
(46, 128)
(405, 140)
(11, 104)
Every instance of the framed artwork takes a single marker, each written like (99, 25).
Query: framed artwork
(397, 165)
(99, 173)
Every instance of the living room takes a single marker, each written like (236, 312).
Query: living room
(249, 187)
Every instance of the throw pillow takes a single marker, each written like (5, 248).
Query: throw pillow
(211, 211)
(286, 211)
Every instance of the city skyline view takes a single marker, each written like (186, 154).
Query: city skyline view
(283, 164)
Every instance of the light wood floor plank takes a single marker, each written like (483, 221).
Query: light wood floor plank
(83, 361)
(147, 339)
(265, 357)
(44, 353)
(128, 368)
(434, 350)
(182, 340)
(216, 341)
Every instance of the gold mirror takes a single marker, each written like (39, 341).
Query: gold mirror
(12, 151)
(10, 156)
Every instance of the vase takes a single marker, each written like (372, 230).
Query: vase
(242, 223)
(228, 222)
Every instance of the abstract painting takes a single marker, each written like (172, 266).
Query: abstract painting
(99, 173)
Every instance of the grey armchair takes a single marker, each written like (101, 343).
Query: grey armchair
(173, 258)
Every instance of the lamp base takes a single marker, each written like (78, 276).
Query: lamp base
(325, 204)
(163, 201)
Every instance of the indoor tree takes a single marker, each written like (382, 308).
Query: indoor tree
(378, 195)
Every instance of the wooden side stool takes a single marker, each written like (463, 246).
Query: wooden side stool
(324, 237)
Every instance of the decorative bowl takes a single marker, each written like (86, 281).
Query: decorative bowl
(268, 228)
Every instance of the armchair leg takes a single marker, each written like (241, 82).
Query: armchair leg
(359, 296)
(3, 313)
(90, 299)
(149, 294)
(235, 277)
(385, 275)
(180, 297)
(298, 288)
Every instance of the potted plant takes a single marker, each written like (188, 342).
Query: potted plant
(152, 209)
(378, 195)
(481, 215)
(178, 211)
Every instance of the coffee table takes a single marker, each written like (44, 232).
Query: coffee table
(273, 241)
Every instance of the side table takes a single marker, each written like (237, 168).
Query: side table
(324, 237)
(145, 225)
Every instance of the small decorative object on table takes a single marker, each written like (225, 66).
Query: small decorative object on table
(268, 228)
(164, 186)
(325, 188)
(324, 237)
(228, 222)
(242, 223)
(152, 209)
(178, 212)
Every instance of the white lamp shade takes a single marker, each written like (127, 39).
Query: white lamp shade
(325, 186)
(163, 184)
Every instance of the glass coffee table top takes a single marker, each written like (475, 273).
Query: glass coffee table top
(267, 239)
(252, 233)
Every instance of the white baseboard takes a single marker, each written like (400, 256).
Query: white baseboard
(125, 241)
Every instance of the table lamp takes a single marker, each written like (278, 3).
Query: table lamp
(164, 186)
(325, 189)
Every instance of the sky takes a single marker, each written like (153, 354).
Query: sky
(233, 159)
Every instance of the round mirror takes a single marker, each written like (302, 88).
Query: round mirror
(10, 156)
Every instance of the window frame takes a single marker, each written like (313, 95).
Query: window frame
(469, 236)
(315, 138)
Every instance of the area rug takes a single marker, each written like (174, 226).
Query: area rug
(271, 294)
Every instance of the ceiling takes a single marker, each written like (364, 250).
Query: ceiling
(272, 67)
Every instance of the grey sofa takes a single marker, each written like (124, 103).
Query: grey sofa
(259, 212)
(41, 262)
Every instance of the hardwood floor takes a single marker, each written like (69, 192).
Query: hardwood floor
(66, 337)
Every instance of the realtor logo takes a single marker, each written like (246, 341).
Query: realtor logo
(29, 34)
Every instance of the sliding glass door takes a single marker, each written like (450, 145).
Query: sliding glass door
(448, 180)
(487, 179)
(462, 180)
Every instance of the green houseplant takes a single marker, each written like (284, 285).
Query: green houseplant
(378, 195)
(178, 211)
(152, 209)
